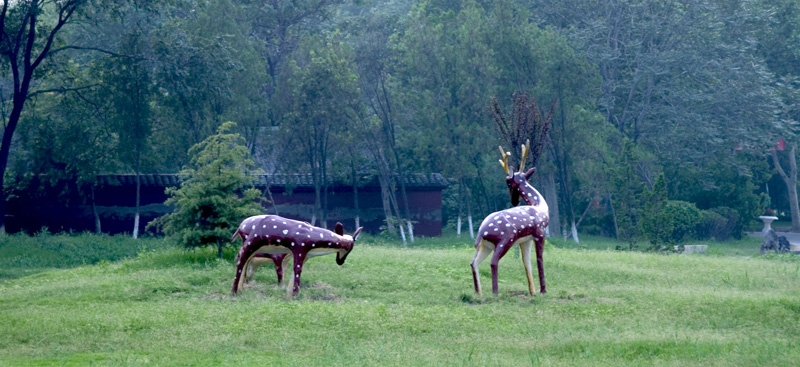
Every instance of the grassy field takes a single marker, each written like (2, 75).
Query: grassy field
(414, 306)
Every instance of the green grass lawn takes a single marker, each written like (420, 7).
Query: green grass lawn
(415, 306)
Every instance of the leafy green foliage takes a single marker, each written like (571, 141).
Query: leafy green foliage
(214, 196)
(628, 190)
(721, 224)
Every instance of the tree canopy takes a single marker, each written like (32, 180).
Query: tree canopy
(698, 91)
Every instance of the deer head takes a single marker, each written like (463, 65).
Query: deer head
(347, 244)
(516, 180)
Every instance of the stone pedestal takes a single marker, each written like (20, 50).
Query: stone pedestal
(767, 219)
(695, 249)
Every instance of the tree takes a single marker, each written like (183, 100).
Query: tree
(130, 81)
(29, 33)
(321, 98)
(790, 180)
(444, 71)
(214, 196)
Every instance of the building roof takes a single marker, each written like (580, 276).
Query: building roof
(420, 180)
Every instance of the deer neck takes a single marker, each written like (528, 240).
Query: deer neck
(531, 196)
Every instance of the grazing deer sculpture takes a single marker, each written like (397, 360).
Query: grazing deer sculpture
(273, 236)
(522, 225)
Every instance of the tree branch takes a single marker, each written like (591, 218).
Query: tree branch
(61, 90)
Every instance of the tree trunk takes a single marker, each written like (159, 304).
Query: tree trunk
(469, 214)
(269, 196)
(460, 206)
(5, 150)
(355, 194)
(402, 180)
(393, 201)
(790, 180)
(551, 196)
(138, 197)
(613, 215)
(317, 198)
(97, 228)
(387, 209)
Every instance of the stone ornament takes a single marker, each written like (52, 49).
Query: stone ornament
(522, 225)
(272, 237)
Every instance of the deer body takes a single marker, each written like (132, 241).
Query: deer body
(274, 237)
(523, 225)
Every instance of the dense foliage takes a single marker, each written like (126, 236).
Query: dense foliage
(698, 91)
(216, 192)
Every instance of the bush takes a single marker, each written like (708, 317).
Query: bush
(720, 224)
(674, 223)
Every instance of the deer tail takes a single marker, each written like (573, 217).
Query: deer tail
(236, 233)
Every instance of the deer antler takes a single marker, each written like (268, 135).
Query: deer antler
(504, 161)
(525, 148)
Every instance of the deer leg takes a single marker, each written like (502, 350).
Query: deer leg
(540, 262)
(499, 251)
(245, 254)
(249, 269)
(294, 284)
(280, 260)
(525, 248)
(480, 255)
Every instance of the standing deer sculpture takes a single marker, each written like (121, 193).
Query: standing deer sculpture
(272, 236)
(521, 225)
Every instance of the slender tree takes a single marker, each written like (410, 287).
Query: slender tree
(29, 31)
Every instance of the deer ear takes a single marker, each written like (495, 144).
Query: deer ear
(339, 229)
(357, 233)
(530, 173)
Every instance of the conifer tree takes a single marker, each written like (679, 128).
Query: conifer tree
(216, 194)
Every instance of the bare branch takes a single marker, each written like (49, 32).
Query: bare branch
(61, 90)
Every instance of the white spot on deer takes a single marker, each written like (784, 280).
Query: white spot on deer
(285, 231)
(254, 227)
(273, 219)
(495, 229)
(321, 235)
(508, 224)
(491, 224)
(274, 227)
(515, 218)
(255, 235)
(297, 233)
(292, 244)
(485, 233)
